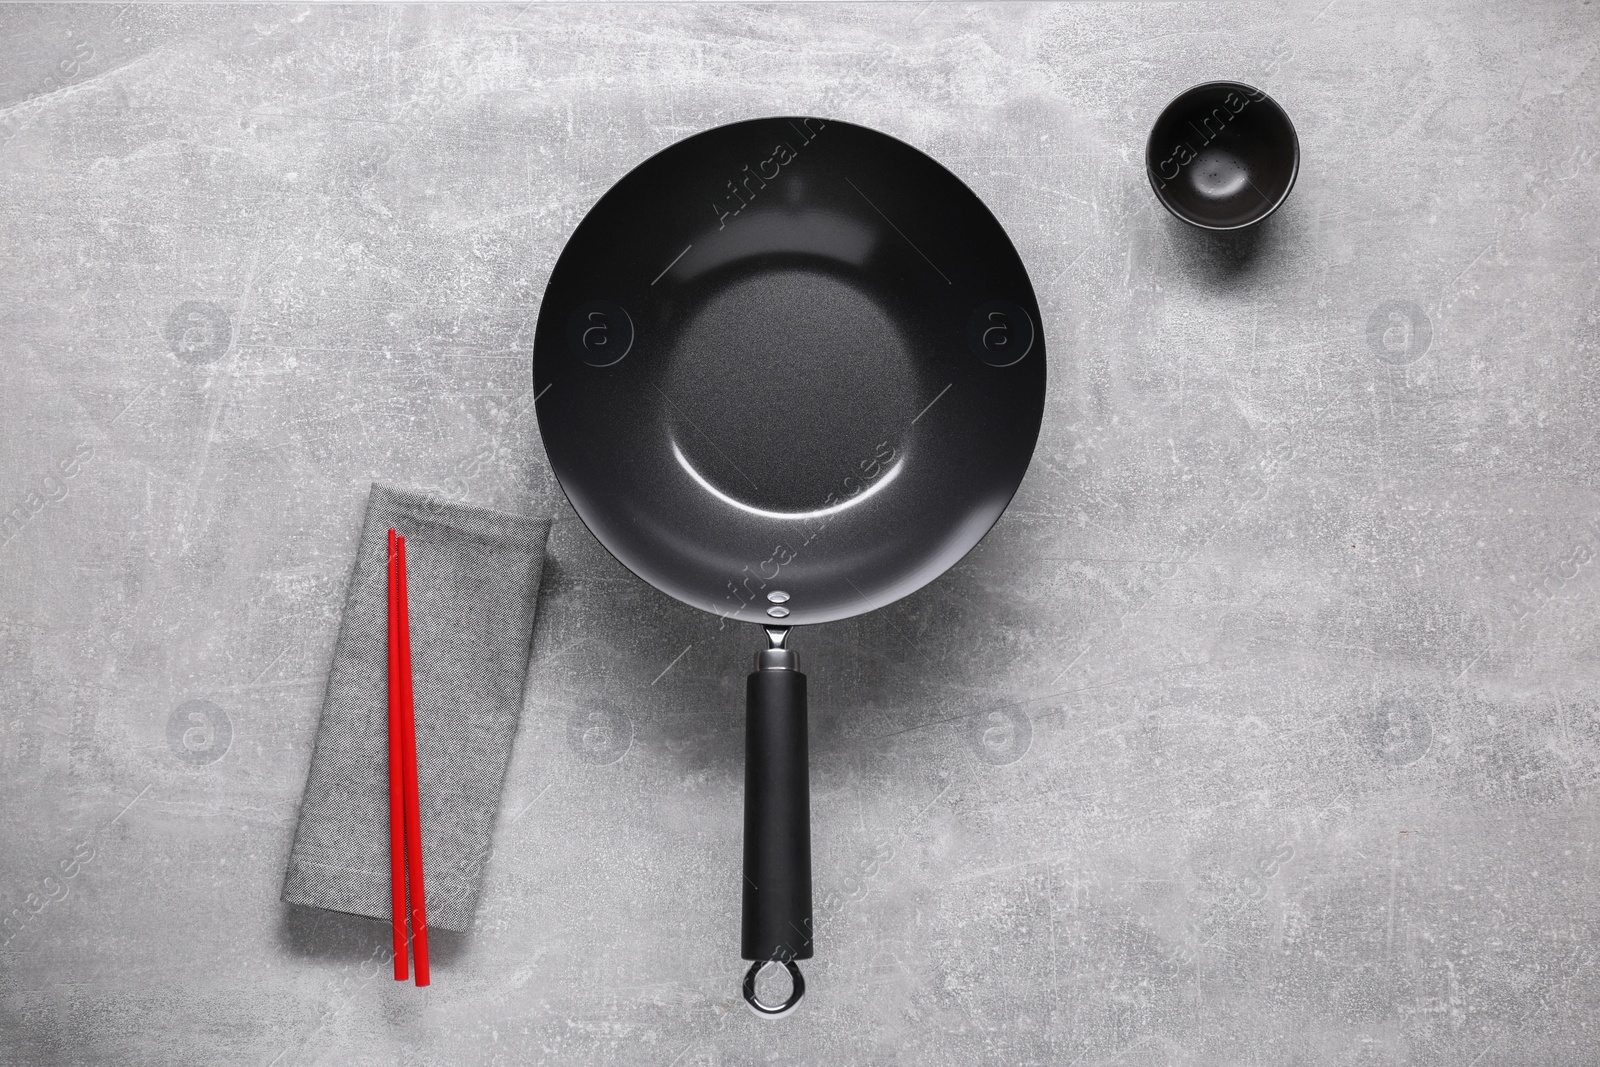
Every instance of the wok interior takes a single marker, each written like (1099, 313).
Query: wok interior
(788, 385)
(800, 423)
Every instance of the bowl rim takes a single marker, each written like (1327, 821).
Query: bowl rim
(1294, 163)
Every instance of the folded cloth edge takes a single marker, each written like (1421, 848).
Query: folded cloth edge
(468, 518)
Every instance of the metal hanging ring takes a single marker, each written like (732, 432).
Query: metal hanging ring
(767, 1010)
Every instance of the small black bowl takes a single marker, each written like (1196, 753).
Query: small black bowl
(1222, 156)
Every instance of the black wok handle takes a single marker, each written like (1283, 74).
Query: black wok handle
(777, 822)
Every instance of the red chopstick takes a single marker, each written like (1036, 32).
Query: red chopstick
(408, 748)
(397, 810)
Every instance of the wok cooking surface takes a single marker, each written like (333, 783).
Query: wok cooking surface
(857, 382)
(789, 369)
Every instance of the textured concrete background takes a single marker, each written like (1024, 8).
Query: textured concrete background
(1264, 729)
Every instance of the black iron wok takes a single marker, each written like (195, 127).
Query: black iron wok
(787, 371)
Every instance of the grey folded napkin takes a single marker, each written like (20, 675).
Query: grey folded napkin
(473, 578)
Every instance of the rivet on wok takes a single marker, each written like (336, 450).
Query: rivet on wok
(777, 612)
(778, 596)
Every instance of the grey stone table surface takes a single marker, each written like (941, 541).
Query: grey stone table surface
(1263, 729)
